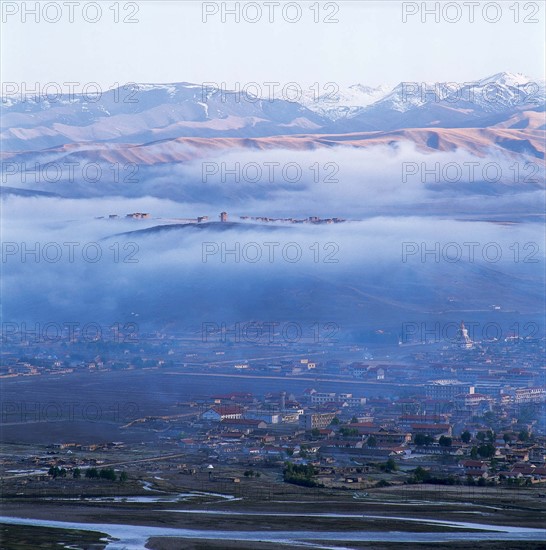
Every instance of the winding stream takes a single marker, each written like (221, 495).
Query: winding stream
(134, 537)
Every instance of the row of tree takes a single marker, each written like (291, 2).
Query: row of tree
(424, 439)
(90, 473)
(300, 474)
(491, 436)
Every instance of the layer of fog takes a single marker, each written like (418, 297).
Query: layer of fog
(376, 272)
(327, 182)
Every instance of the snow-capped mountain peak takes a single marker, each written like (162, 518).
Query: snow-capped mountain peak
(495, 93)
(506, 79)
(141, 113)
(344, 101)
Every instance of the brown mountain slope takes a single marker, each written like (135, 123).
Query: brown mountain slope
(477, 141)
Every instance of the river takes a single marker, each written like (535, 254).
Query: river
(134, 537)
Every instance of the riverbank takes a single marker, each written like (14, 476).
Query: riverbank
(133, 537)
(195, 544)
(155, 514)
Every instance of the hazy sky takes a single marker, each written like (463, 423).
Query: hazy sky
(369, 44)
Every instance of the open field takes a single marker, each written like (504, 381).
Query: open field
(196, 502)
(17, 537)
(88, 407)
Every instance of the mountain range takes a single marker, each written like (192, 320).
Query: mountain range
(511, 107)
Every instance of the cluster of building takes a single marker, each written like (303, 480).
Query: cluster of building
(310, 219)
(224, 218)
(335, 429)
(131, 216)
(483, 406)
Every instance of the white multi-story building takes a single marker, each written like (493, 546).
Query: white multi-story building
(323, 397)
(267, 417)
(320, 398)
(447, 389)
(219, 413)
(530, 395)
(311, 421)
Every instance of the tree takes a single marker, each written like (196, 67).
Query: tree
(420, 475)
(487, 450)
(390, 465)
(445, 441)
(108, 473)
(523, 435)
(466, 436)
(354, 420)
(480, 436)
(76, 473)
(300, 474)
(494, 464)
(335, 421)
(123, 477)
(422, 439)
(348, 432)
(474, 452)
(507, 438)
(55, 472)
(315, 432)
(419, 439)
(92, 473)
(372, 441)
(489, 417)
